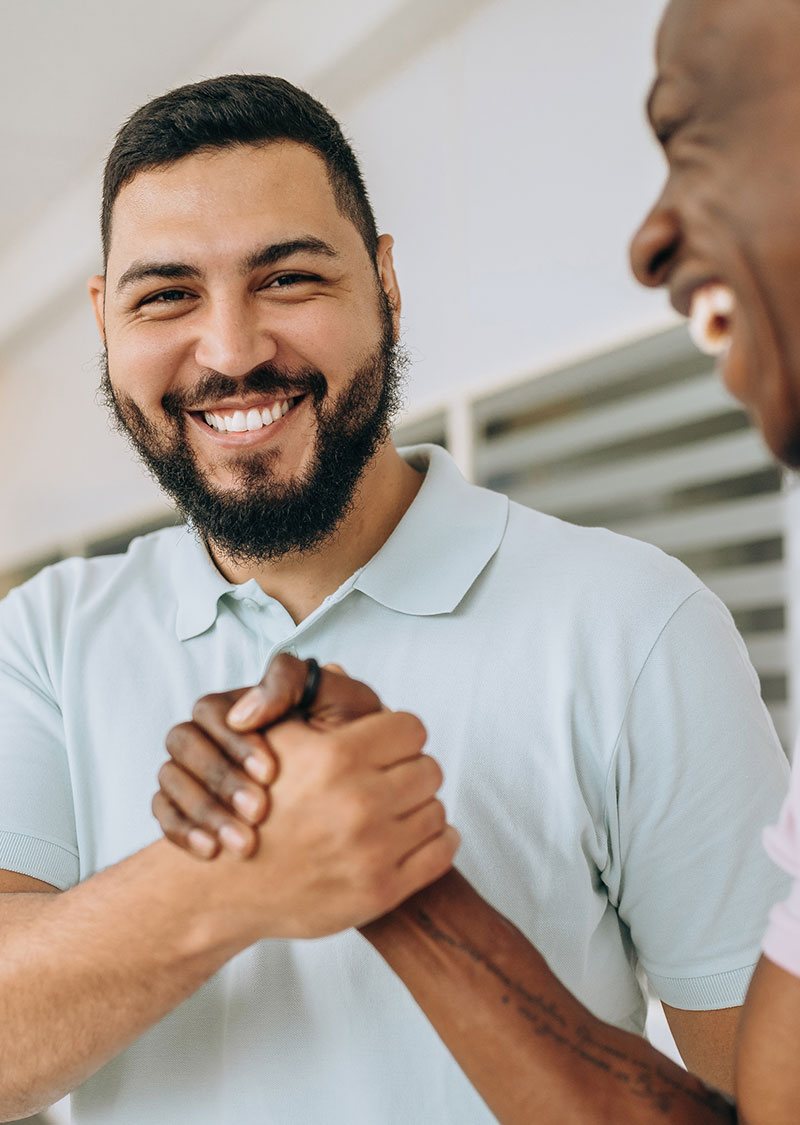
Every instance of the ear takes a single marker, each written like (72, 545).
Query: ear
(97, 292)
(385, 267)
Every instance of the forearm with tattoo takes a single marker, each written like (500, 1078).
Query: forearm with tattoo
(530, 1048)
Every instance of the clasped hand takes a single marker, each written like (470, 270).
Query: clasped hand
(337, 811)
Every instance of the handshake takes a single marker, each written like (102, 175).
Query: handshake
(309, 774)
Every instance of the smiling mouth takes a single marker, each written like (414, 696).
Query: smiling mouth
(710, 318)
(240, 421)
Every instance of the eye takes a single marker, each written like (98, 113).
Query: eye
(287, 280)
(166, 296)
(665, 128)
(666, 132)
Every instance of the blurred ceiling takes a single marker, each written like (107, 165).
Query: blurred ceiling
(71, 71)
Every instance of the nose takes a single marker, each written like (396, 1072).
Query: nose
(655, 246)
(232, 340)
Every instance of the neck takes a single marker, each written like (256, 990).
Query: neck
(302, 580)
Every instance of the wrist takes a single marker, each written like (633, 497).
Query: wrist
(212, 915)
(432, 916)
(448, 925)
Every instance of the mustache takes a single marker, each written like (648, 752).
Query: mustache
(266, 380)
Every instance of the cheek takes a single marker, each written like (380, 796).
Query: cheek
(775, 268)
(332, 338)
(143, 368)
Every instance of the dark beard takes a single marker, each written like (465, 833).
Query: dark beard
(264, 518)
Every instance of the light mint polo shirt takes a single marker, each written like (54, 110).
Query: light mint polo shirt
(606, 755)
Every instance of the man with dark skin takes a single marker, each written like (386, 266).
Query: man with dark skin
(724, 237)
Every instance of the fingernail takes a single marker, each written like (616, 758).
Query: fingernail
(201, 842)
(247, 803)
(246, 707)
(234, 837)
(258, 768)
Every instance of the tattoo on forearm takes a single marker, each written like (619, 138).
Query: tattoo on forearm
(647, 1080)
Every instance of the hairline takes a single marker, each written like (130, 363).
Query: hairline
(152, 166)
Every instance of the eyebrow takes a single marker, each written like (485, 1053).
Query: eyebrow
(268, 255)
(170, 271)
(264, 256)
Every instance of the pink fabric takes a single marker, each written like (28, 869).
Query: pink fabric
(782, 939)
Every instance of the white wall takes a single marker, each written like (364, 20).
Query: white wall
(511, 162)
(504, 146)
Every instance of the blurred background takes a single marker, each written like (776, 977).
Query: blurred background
(504, 146)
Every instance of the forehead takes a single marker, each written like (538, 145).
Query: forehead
(227, 196)
(727, 46)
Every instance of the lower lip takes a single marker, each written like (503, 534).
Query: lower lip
(245, 438)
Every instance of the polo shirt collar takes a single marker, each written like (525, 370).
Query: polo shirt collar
(443, 542)
(198, 586)
(426, 566)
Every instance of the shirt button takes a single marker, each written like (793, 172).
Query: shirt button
(249, 603)
(291, 650)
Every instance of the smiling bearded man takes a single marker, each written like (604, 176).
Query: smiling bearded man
(264, 517)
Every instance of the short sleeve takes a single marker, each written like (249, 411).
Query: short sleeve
(37, 819)
(782, 842)
(697, 774)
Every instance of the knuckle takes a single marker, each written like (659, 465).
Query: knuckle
(368, 701)
(218, 773)
(413, 729)
(157, 806)
(164, 773)
(437, 816)
(339, 754)
(175, 785)
(285, 677)
(179, 738)
(209, 707)
(439, 854)
(166, 814)
(434, 771)
(281, 663)
(201, 708)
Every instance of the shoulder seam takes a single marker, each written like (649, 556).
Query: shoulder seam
(615, 749)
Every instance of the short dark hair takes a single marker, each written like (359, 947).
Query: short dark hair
(235, 109)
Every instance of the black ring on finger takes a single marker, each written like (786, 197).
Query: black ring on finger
(310, 687)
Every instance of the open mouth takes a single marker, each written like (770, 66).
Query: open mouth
(711, 317)
(241, 421)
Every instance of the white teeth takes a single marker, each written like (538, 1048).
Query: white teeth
(241, 421)
(710, 318)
